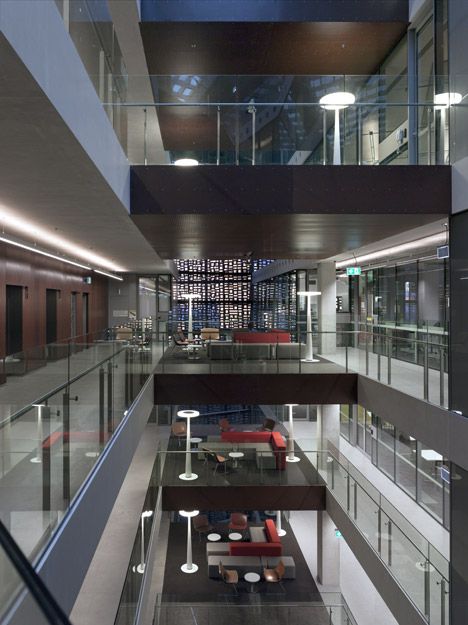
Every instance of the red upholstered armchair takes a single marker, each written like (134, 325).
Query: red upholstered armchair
(271, 547)
(238, 522)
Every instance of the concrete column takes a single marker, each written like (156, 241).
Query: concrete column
(328, 551)
(328, 425)
(326, 275)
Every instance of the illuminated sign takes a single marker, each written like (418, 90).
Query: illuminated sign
(353, 271)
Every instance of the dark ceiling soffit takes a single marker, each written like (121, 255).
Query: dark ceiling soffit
(244, 497)
(274, 10)
(257, 190)
(326, 388)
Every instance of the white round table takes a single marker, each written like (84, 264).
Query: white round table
(235, 536)
(196, 439)
(213, 538)
(252, 579)
(236, 455)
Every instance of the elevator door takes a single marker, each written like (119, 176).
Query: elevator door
(14, 319)
(51, 315)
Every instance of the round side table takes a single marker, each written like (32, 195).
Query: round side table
(252, 579)
(236, 455)
(235, 536)
(214, 537)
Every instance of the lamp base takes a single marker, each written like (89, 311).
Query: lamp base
(185, 476)
(281, 532)
(292, 459)
(184, 568)
(140, 568)
(36, 460)
(92, 454)
(310, 360)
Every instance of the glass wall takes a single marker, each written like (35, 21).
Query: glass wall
(92, 31)
(421, 472)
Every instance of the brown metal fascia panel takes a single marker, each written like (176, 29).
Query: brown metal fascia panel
(226, 388)
(244, 497)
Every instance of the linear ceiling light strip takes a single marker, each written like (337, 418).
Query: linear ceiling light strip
(36, 250)
(435, 239)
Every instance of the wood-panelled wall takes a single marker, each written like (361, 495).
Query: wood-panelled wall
(37, 273)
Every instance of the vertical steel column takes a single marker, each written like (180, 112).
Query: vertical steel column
(145, 137)
(66, 446)
(441, 375)
(389, 553)
(324, 140)
(110, 402)
(412, 99)
(359, 137)
(218, 136)
(46, 464)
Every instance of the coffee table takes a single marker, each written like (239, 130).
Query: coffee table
(214, 537)
(236, 455)
(252, 579)
(235, 536)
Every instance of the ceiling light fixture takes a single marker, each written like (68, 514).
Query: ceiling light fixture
(24, 227)
(36, 250)
(186, 162)
(109, 275)
(434, 239)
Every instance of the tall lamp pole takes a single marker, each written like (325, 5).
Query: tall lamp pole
(188, 414)
(291, 457)
(309, 346)
(190, 297)
(189, 566)
(336, 102)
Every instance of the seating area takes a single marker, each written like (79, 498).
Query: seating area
(266, 447)
(259, 550)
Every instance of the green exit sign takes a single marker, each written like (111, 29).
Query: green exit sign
(353, 271)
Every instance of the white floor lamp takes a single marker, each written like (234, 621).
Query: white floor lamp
(444, 101)
(188, 475)
(38, 457)
(279, 530)
(309, 346)
(190, 297)
(189, 566)
(291, 457)
(144, 515)
(335, 102)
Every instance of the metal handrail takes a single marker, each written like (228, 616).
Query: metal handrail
(42, 595)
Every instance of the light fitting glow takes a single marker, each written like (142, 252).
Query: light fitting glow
(30, 248)
(186, 162)
(337, 101)
(24, 227)
(434, 239)
(444, 100)
(190, 295)
(109, 275)
(188, 513)
(307, 293)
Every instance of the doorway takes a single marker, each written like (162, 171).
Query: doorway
(14, 319)
(51, 315)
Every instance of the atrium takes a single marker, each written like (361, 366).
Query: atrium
(233, 327)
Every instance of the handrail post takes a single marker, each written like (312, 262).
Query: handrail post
(346, 358)
(378, 362)
(252, 110)
(441, 375)
(367, 353)
(145, 137)
(426, 372)
(359, 137)
(389, 361)
(324, 139)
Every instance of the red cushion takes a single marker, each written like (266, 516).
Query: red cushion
(271, 533)
(256, 549)
(246, 437)
(277, 441)
(279, 449)
(261, 337)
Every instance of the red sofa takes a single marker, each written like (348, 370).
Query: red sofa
(273, 336)
(276, 440)
(272, 547)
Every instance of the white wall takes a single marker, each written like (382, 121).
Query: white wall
(37, 33)
(365, 603)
